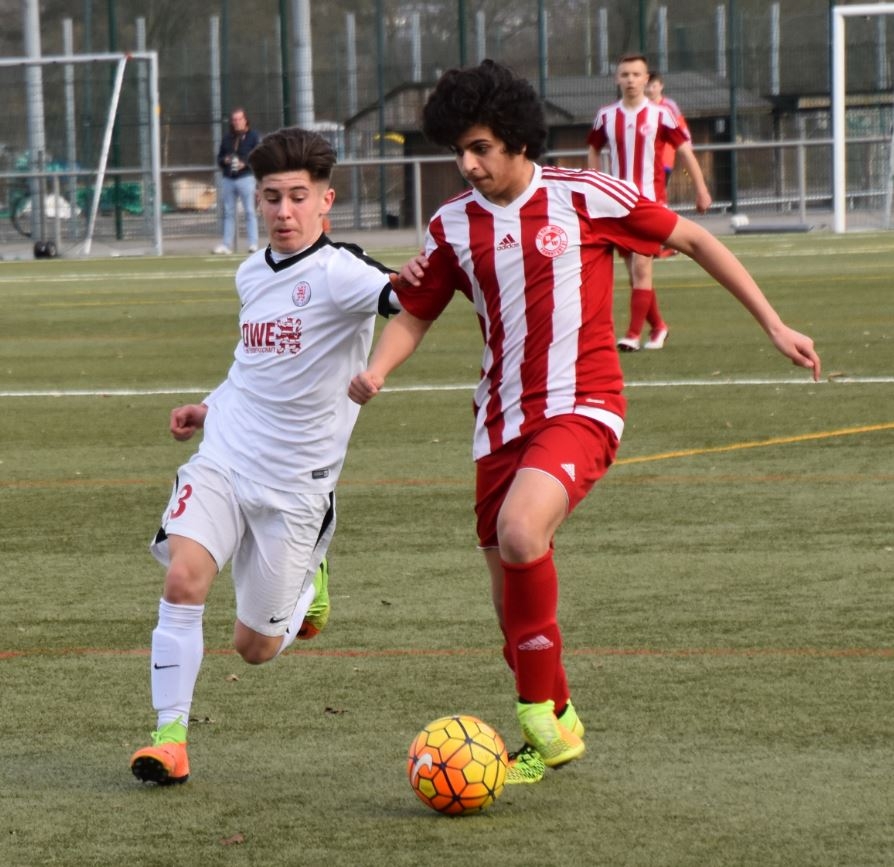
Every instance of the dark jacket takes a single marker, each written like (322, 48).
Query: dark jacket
(239, 145)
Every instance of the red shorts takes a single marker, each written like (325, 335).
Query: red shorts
(573, 449)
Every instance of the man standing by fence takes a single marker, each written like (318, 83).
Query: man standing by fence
(238, 183)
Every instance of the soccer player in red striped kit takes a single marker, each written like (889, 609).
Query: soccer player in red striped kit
(532, 247)
(637, 131)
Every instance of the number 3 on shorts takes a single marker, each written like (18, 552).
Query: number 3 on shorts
(185, 494)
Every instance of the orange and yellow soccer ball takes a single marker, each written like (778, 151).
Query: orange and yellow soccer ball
(457, 765)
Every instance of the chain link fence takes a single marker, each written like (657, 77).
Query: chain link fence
(752, 80)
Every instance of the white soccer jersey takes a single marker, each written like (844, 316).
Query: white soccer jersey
(635, 138)
(283, 417)
(540, 274)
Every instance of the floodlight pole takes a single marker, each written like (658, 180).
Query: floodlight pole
(37, 144)
(642, 26)
(380, 88)
(284, 63)
(304, 85)
(461, 26)
(116, 144)
(542, 47)
(733, 42)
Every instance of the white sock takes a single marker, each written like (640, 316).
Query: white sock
(305, 600)
(177, 648)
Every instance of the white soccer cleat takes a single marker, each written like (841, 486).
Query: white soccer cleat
(656, 339)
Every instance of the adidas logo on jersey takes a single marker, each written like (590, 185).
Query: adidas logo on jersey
(507, 243)
(538, 642)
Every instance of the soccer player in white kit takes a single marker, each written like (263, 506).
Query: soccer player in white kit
(260, 490)
(636, 132)
(532, 246)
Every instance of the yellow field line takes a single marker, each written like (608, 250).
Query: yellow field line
(686, 453)
(775, 441)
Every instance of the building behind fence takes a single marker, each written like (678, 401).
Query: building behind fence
(754, 85)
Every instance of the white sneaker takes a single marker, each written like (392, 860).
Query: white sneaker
(629, 344)
(222, 250)
(656, 339)
(253, 248)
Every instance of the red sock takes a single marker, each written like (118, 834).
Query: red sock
(530, 600)
(654, 315)
(641, 301)
(561, 694)
(507, 652)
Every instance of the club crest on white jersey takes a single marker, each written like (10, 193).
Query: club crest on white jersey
(551, 241)
(301, 294)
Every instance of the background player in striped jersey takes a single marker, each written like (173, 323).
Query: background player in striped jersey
(665, 154)
(636, 131)
(532, 247)
(260, 490)
(655, 92)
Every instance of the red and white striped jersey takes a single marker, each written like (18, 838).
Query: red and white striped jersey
(540, 274)
(666, 153)
(635, 138)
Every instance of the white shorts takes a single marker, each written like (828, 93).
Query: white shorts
(276, 539)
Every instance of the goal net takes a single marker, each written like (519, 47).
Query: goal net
(80, 153)
(862, 117)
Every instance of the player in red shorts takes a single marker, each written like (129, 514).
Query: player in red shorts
(665, 154)
(532, 247)
(636, 132)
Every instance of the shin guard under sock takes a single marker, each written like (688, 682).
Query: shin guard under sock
(177, 649)
(530, 600)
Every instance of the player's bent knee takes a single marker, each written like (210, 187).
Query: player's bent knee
(254, 648)
(521, 543)
(190, 573)
(184, 587)
(255, 654)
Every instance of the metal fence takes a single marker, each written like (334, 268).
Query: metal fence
(791, 179)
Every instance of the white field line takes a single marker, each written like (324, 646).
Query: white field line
(119, 280)
(666, 383)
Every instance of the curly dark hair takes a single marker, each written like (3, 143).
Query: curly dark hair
(490, 95)
(293, 149)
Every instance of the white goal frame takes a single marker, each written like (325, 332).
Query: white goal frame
(839, 74)
(120, 59)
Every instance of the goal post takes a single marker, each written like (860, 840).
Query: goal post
(840, 14)
(89, 166)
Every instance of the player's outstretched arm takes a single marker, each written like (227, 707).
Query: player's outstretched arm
(396, 343)
(687, 157)
(718, 260)
(186, 420)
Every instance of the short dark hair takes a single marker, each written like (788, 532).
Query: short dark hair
(630, 58)
(656, 76)
(490, 95)
(293, 149)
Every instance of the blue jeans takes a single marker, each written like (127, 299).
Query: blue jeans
(243, 190)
